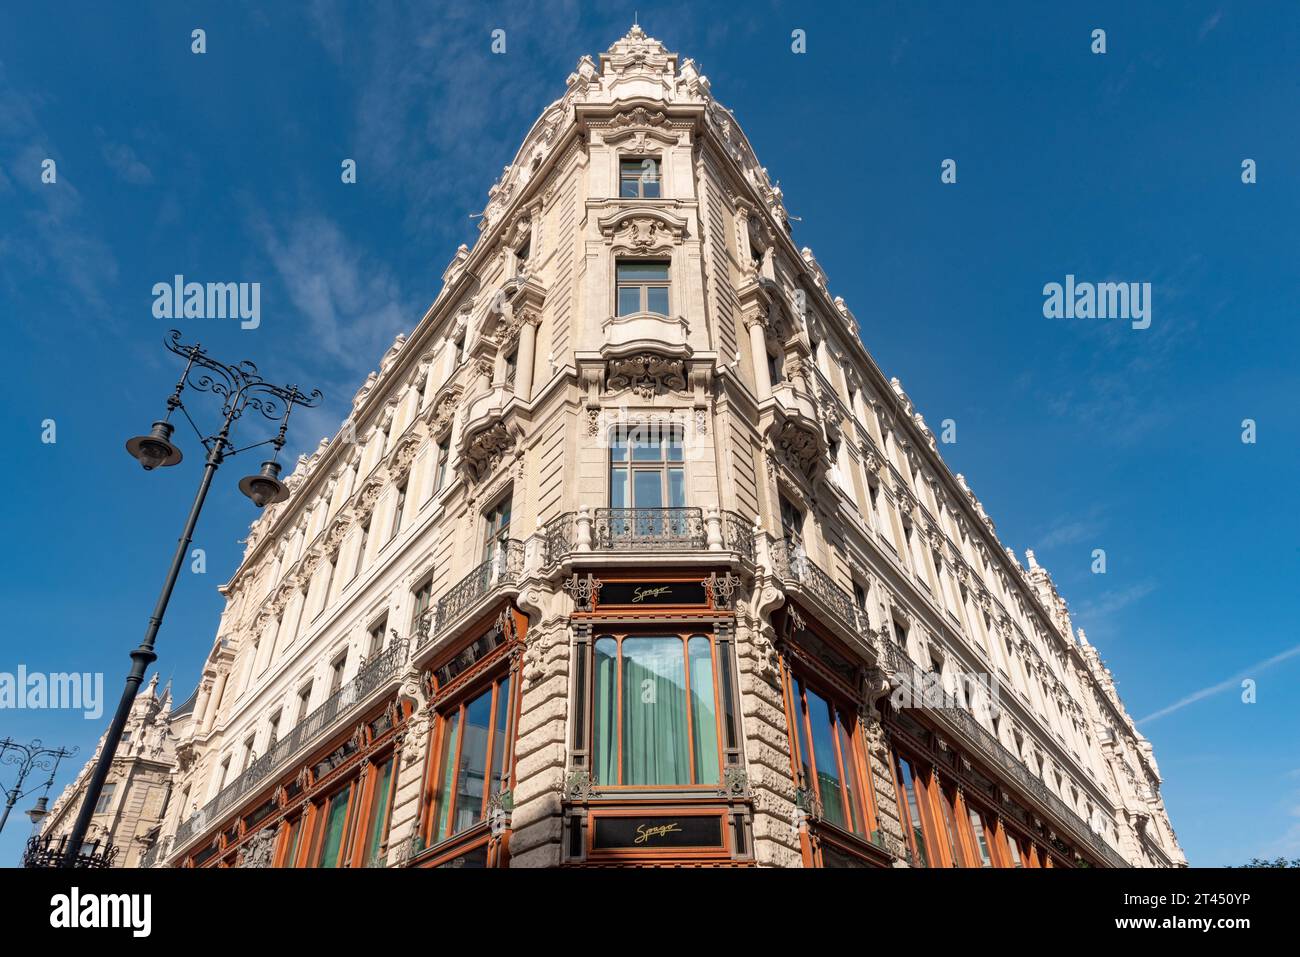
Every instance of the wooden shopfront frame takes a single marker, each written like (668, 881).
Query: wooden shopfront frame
(812, 658)
(505, 629)
(297, 796)
(609, 807)
(945, 777)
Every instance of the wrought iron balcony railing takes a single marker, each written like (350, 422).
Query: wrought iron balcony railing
(988, 746)
(369, 677)
(647, 529)
(791, 564)
(505, 567)
(46, 851)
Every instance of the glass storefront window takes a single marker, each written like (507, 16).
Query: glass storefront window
(655, 715)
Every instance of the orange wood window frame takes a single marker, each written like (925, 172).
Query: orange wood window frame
(920, 775)
(718, 705)
(794, 688)
(494, 679)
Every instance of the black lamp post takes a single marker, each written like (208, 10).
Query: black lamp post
(240, 388)
(27, 758)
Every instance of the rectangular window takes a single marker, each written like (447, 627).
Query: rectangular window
(332, 830)
(440, 468)
(655, 714)
(331, 563)
(1013, 848)
(376, 633)
(361, 550)
(377, 831)
(638, 178)
(336, 672)
(647, 470)
(423, 598)
(981, 837)
(642, 287)
(911, 797)
(293, 841)
(827, 759)
(496, 527)
(791, 522)
(248, 753)
(273, 736)
(472, 759)
(105, 799)
(398, 509)
(304, 702)
(947, 800)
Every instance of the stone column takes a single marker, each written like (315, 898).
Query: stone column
(758, 351)
(214, 701)
(524, 358)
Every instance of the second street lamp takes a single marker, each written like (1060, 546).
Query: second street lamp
(240, 388)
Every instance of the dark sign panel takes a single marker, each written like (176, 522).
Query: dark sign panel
(653, 593)
(648, 833)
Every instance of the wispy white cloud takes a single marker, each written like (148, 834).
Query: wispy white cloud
(1233, 682)
(350, 306)
(122, 160)
(1108, 603)
(1208, 26)
(50, 231)
(1071, 530)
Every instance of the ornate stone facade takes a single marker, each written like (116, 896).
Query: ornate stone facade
(138, 790)
(465, 534)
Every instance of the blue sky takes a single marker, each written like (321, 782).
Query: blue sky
(1075, 434)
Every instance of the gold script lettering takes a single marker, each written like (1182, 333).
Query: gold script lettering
(639, 594)
(644, 833)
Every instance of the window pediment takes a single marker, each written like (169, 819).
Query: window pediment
(642, 230)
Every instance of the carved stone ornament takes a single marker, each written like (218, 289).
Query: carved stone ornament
(487, 449)
(259, 849)
(799, 446)
(647, 374)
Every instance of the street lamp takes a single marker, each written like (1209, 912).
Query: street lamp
(27, 758)
(239, 388)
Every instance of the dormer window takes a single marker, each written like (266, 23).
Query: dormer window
(642, 287)
(638, 177)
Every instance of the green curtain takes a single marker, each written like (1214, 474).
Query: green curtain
(334, 819)
(604, 747)
(379, 812)
(704, 721)
(447, 763)
(499, 736)
(654, 712)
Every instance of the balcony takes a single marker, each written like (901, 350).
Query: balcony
(964, 724)
(505, 567)
(614, 530)
(46, 851)
(798, 573)
(371, 677)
